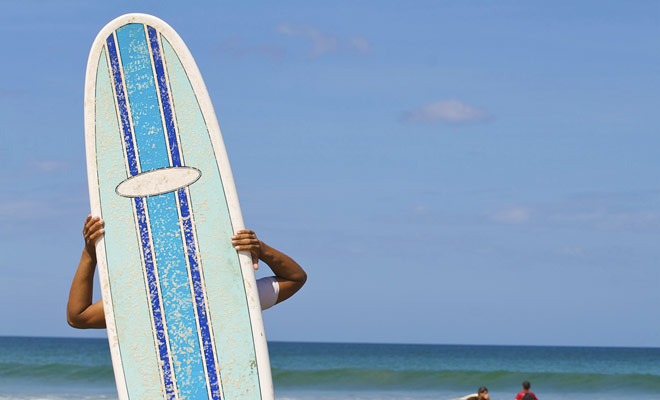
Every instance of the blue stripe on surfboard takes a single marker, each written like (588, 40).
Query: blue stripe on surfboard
(165, 98)
(184, 209)
(123, 110)
(200, 301)
(144, 231)
(179, 313)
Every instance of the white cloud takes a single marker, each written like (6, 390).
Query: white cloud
(48, 165)
(237, 48)
(608, 211)
(25, 209)
(10, 93)
(452, 111)
(632, 212)
(323, 43)
(421, 210)
(610, 219)
(516, 215)
(571, 251)
(359, 44)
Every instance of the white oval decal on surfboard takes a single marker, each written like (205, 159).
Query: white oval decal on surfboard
(158, 181)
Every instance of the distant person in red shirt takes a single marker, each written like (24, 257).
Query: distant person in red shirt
(526, 394)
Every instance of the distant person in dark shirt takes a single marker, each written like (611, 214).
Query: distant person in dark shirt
(526, 394)
(482, 394)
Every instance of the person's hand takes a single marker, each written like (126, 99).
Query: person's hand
(92, 231)
(246, 240)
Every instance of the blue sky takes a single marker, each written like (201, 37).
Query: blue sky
(446, 172)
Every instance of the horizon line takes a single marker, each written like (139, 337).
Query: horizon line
(382, 343)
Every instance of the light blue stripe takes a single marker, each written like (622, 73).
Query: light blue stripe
(142, 96)
(163, 215)
(129, 295)
(221, 269)
(177, 299)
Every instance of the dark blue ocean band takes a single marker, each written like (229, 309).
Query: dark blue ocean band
(152, 284)
(165, 98)
(123, 109)
(184, 208)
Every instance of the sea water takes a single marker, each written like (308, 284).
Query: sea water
(57, 368)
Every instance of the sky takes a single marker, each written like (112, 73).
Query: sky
(446, 172)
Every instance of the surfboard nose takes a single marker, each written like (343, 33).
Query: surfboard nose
(158, 181)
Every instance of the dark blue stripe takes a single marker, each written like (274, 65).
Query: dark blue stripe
(164, 97)
(123, 107)
(191, 249)
(195, 275)
(152, 284)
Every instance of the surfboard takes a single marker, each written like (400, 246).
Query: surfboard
(181, 305)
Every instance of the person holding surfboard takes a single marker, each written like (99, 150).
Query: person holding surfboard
(82, 313)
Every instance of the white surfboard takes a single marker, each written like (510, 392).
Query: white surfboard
(181, 306)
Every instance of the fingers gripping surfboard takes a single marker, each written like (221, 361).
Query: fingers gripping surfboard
(181, 306)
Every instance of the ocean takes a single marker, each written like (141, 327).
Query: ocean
(59, 368)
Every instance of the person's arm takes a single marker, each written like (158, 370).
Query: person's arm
(289, 275)
(81, 313)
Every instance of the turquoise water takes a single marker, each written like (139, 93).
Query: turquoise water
(49, 368)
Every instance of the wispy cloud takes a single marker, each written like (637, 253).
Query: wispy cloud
(607, 219)
(451, 111)
(635, 211)
(571, 251)
(10, 93)
(237, 48)
(48, 165)
(28, 170)
(421, 210)
(515, 215)
(322, 42)
(359, 44)
(25, 209)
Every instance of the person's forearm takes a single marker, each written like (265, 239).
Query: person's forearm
(289, 274)
(282, 265)
(80, 313)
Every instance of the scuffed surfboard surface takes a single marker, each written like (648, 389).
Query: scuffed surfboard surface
(181, 305)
